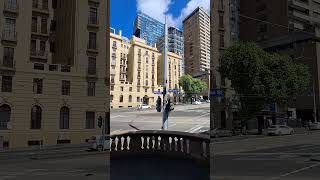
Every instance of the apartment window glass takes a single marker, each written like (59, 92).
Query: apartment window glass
(220, 5)
(35, 3)
(130, 89)
(92, 66)
(90, 120)
(93, 16)
(111, 98)
(221, 40)
(34, 25)
(42, 48)
(33, 47)
(8, 54)
(6, 84)
(221, 21)
(9, 28)
(112, 88)
(44, 26)
(37, 86)
(147, 83)
(92, 40)
(11, 4)
(121, 98)
(138, 99)
(44, 4)
(65, 88)
(121, 88)
(5, 114)
(146, 90)
(130, 98)
(91, 88)
(36, 113)
(64, 118)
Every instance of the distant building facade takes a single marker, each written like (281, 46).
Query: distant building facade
(148, 28)
(136, 72)
(196, 32)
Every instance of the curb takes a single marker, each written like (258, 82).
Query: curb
(43, 157)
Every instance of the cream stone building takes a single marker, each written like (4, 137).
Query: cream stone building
(135, 70)
(52, 70)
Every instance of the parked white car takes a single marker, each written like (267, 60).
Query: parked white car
(280, 130)
(196, 102)
(100, 144)
(143, 106)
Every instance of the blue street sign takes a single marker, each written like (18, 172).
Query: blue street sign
(173, 91)
(157, 92)
(217, 93)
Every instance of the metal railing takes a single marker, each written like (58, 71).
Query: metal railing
(168, 143)
(39, 54)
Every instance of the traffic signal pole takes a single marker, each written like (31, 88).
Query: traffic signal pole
(165, 78)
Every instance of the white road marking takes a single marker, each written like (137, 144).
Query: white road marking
(294, 172)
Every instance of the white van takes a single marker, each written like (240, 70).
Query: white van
(100, 144)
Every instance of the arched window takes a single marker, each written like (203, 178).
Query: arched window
(121, 98)
(5, 113)
(64, 118)
(130, 98)
(36, 112)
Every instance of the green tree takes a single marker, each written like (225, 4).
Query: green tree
(260, 78)
(192, 85)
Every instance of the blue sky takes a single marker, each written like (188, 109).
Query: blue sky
(123, 12)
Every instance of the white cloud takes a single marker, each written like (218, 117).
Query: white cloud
(158, 9)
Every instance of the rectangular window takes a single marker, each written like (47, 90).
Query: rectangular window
(42, 48)
(8, 54)
(92, 40)
(11, 4)
(33, 47)
(35, 3)
(92, 66)
(221, 40)
(111, 98)
(10, 29)
(130, 89)
(44, 4)
(34, 25)
(35, 143)
(138, 99)
(37, 86)
(146, 90)
(221, 24)
(112, 88)
(93, 16)
(44, 26)
(65, 89)
(6, 84)
(90, 120)
(91, 88)
(121, 88)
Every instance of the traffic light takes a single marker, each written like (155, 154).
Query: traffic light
(100, 122)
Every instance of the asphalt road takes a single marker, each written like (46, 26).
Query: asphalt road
(92, 167)
(267, 158)
(187, 118)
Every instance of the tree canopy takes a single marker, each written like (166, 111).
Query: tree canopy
(260, 78)
(192, 85)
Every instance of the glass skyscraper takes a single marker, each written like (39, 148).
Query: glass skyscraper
(148, 28)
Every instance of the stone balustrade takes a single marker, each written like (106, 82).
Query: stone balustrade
(167, 143)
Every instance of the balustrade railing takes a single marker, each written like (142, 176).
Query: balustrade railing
(168, 143)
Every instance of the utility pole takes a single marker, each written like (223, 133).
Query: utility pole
(165, 78)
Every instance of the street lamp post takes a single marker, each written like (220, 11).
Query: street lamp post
(165, 78)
